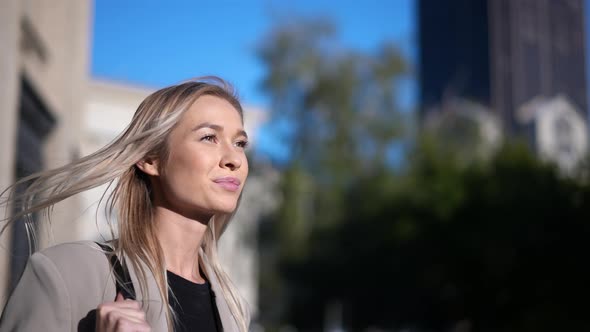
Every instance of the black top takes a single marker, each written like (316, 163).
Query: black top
(193, 305)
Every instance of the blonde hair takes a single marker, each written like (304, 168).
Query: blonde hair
(115, 164)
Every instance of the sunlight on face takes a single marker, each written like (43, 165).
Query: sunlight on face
(207, 166)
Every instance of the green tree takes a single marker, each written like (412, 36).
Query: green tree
(489, 244)
(498, 246)
(340, 113)
(339, 106)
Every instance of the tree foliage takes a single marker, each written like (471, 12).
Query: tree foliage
(339, 111)
(490, 245)
(501, 246)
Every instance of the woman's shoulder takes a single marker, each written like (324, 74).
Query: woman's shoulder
(60, 286)
(84, 270)
(76, 258)
(74, 251)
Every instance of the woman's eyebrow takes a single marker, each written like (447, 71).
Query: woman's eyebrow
(242, 133)
(207, 125)
(215, 127)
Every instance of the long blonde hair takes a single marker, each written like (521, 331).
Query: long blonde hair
(115, 164)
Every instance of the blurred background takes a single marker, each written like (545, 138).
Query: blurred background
(417, 165)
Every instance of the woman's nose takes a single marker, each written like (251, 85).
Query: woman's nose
(231, 160)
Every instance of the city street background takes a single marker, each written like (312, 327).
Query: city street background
(416, 165)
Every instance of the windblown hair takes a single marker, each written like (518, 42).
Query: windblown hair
(115, 164)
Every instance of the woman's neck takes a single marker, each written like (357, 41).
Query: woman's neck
(180, 239)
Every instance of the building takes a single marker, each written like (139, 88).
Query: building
(43, 65)
(454, 51)
(503, 54)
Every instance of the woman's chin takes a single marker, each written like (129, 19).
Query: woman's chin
(225, 208)
(228, 210)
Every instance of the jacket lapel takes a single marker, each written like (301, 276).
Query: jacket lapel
(227, 319)
(150, 300)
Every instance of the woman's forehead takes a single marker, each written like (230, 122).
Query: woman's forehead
(213, 110)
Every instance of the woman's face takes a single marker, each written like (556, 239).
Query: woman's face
(207, 166)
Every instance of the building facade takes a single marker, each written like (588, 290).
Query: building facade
(537, 48)
(43, 65)
(502, 53)
(505, 54)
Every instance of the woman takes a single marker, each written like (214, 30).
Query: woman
(178, 170)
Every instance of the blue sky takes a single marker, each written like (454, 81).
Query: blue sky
(157, 43)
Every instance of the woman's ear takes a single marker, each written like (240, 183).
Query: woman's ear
(149, 166)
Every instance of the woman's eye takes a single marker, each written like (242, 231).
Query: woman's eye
(242, 144)
(208, 138)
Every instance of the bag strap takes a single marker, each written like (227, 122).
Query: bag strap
(123, 282)
(216, 315)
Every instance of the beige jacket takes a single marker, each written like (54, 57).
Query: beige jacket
(63, 284)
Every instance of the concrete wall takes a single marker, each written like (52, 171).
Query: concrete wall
(47, 43)
(9, 60)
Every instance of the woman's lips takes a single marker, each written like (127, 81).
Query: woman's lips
(228, 183)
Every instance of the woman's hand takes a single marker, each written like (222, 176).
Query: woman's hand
(121, 316)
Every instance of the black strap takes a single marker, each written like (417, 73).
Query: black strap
(216, 315)
(123, 282)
